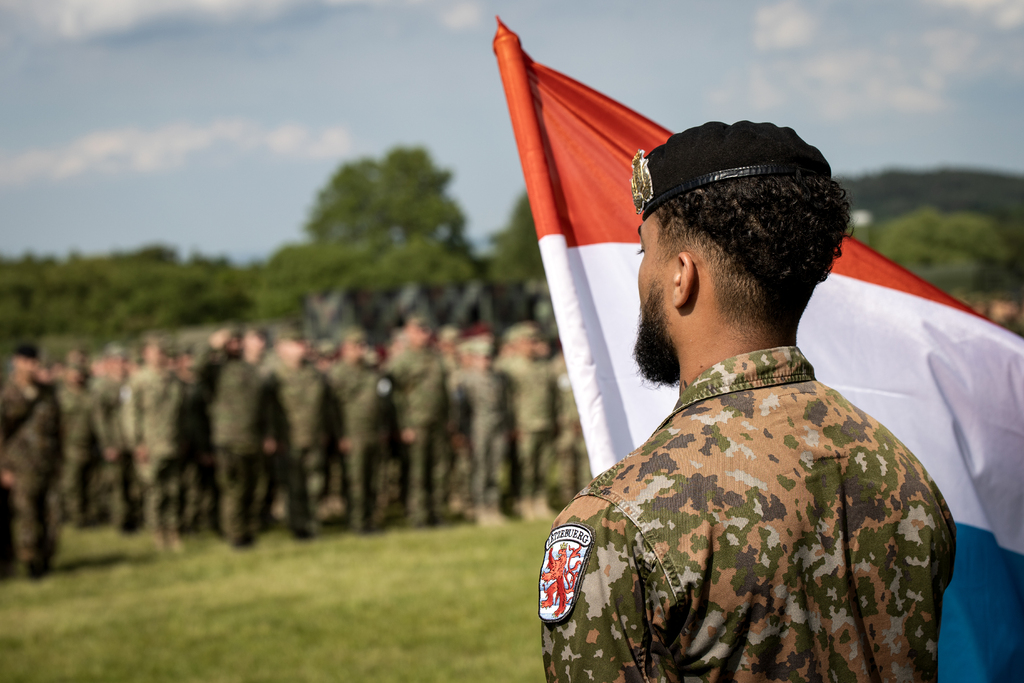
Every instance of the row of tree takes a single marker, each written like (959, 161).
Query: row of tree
(378, 223)
(381, 223)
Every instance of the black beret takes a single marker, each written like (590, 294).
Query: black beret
(26, 351)
(716, 151)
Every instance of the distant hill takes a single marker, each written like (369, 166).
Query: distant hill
(893, 193)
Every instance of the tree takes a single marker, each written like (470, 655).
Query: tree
(516, 255)
(382, 204)
(927, 237)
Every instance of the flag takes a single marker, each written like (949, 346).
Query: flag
(947, 382)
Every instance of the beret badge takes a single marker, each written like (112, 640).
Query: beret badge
(643, 187)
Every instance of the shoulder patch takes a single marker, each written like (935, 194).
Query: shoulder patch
(566, 554)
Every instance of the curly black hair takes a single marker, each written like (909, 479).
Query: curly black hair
(769, 241)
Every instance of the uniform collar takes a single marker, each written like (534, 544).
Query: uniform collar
(765, 368)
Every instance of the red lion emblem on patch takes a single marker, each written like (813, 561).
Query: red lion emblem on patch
(562, 578)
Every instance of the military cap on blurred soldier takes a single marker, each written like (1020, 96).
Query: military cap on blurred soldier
(760, 532)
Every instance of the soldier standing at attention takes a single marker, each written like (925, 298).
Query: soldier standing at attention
(570, 449)
(483, 398)
(422, 402)
(240, 427)
(768, 530)
(30, 455)
(307, 422)
(156, 418)
(533, 405)
(79, 440)
(354, 382)
(110, 394)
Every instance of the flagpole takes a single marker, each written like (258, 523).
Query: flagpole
(544, 204)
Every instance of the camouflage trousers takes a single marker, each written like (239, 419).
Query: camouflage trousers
(573, 465)
(81, 468)
(125, 494)
(305, 486)
(364, 482)
(427, 473)
(35, 509)
(162, 482)
(199, 504)
(489, 450)
(242, 487)
(6, 537)
(533, 454)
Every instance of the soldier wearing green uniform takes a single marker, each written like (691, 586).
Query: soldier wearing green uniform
(354, 383)
(483, 398)
(768, 530)
(30, 460)
(533, 407)
(199, 493)
(156, 420)
(110, 395)
(240, 425)
(306, 423)
(421, 398)
(81, 459)
(570, 449)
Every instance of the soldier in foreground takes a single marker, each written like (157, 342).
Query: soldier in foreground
(30, 460)
(768, 530)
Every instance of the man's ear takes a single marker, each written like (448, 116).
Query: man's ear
(685, 279)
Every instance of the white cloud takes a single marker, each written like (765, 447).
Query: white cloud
(85, 18)
(462, 16)
(140, 151)
(1004, 14)
(783, 26)
(78, 19)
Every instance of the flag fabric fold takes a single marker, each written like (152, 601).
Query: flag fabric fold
(947, 382)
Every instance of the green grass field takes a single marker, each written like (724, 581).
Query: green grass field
(450, 604)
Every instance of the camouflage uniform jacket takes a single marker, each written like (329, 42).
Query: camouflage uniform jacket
(30, 433)
(109, 397)
(483, 396)
(156, 413)
(533, 393)
(76, 410)
(421, 388)
(768, 531)
(305, 407)
(356, 399)
(239, 405)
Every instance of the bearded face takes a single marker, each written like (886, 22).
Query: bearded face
(654, 352)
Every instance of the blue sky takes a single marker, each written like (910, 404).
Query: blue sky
(209, 125)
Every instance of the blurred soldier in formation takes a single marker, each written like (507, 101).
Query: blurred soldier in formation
(354, 382)
(422, 404)
(331, 506)
(482, 397)
(156, 419)
(570, 449)
(458, 465)
(79, 439)
(270, 476)
(533, 408)
(111, 392)
(30, 455)
(199, 499)
(240, 425)
(306, 423)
